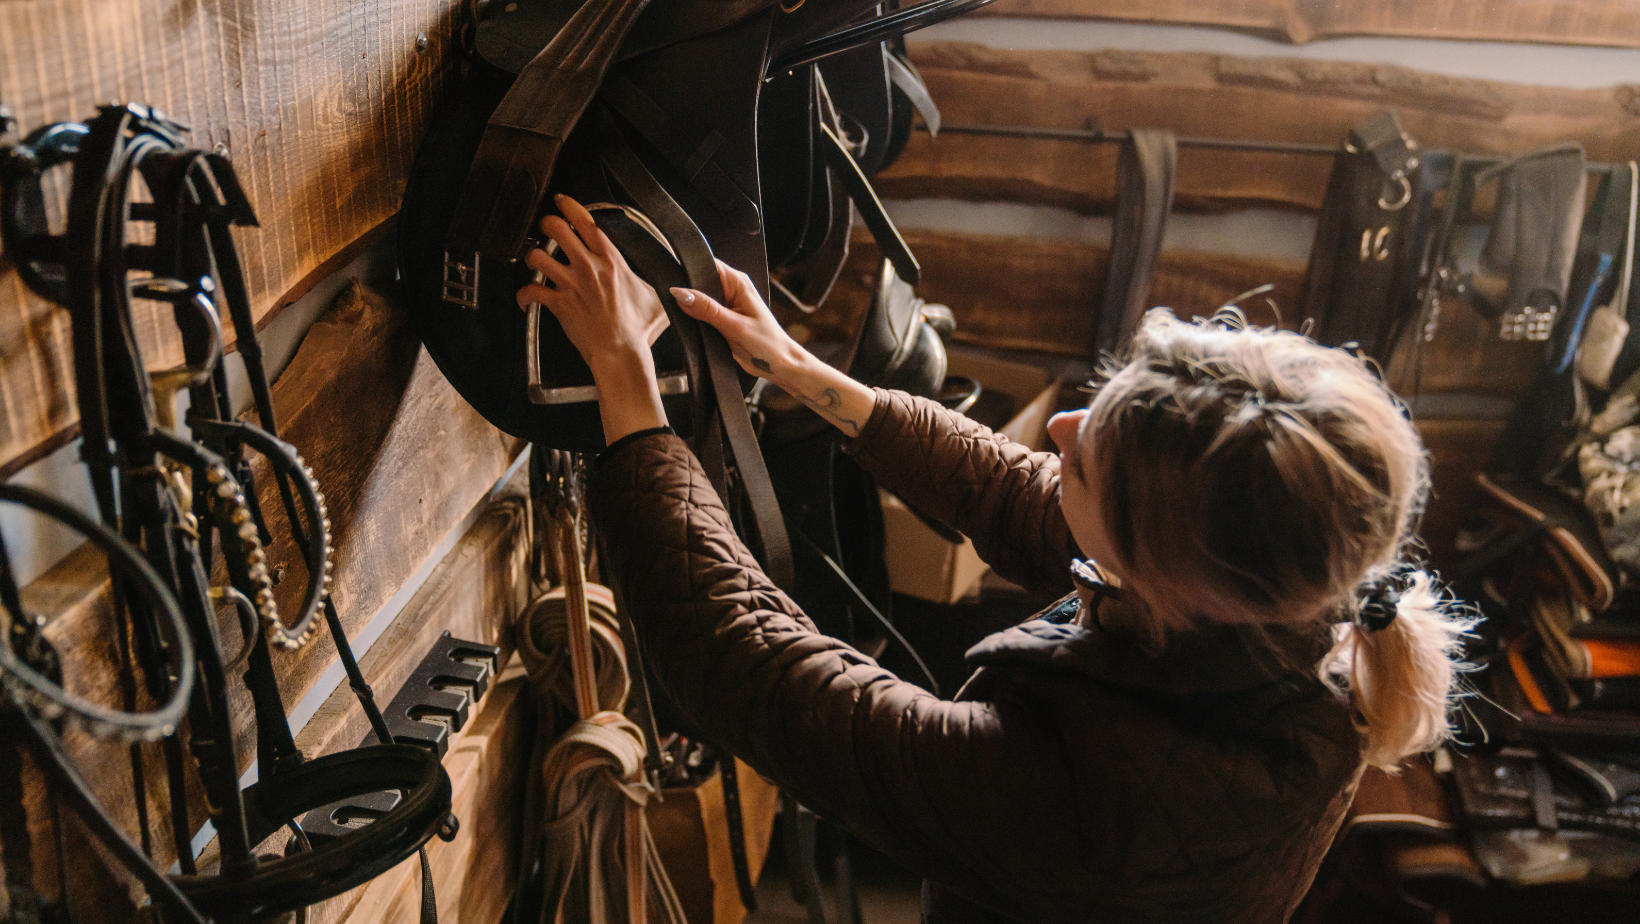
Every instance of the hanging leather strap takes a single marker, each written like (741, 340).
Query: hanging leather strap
(1145, 171)
(696, 256)
(905, 78)
(508, 179)
(844, 167)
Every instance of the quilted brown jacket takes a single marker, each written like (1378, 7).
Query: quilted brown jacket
(1077, 777)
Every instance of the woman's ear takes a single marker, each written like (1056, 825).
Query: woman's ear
(1064, 427)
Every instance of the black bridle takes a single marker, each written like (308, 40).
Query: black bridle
(188, 501)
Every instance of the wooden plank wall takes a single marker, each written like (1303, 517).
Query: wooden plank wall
(1215, 96)
(1571, 22)
(319, 104)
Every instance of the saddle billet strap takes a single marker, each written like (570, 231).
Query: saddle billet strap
(508, 179)
(735, 816)
(696, 256)
(871, 208)
(1145, 171)
(693, 161)
(808, 282)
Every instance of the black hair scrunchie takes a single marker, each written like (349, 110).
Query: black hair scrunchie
(1381, 606)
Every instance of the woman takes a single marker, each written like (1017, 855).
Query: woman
(1179, 736)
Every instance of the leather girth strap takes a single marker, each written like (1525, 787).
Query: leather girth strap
(1145, 172)
(696, 256)
(508, 179)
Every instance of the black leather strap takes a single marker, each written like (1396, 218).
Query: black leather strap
(1145, 171)
(735, 816)
(1376, 218)
(508, 179)
(871, 208)
(873, 31)
(696, 256)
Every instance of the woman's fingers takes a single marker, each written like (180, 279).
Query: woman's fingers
(704, 308)
(559, 230)
(586, 226)
(536, 294)
(548, 266)
(738, 291)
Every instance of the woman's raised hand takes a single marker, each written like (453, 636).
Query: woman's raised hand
(763, 348)
(606, 310)
(610, 315)
(759, 343)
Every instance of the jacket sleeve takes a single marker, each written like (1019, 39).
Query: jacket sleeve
(1001, 495)
(898, 767)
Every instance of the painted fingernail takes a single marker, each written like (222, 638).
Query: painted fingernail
(684, 296)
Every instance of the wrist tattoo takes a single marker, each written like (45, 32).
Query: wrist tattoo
(828, 404)
(761, 365)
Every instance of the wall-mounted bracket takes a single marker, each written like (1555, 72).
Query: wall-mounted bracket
(433, 704)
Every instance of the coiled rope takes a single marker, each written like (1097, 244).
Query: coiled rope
(598, 861)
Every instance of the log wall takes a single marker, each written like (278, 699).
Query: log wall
(319, 104)
(1570, 22)
(403, 462)
(1215, 96)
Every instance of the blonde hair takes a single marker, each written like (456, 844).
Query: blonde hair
(1251, 476)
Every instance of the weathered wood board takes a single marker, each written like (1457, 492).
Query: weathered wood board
(1215, 96)
(320, 105)
(1570, 22)
(402, 460)
(1043, 295)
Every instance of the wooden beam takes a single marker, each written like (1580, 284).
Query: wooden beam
(1042, 295)
(1215, 96)
(1571, 22)
(402, 460)
(320, 106)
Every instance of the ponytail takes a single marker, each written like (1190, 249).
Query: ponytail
(1402, 677)
(1252, 476)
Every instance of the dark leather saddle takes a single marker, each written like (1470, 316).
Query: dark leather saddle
(713, 112)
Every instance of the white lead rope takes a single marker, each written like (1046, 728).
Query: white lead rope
(599, 863)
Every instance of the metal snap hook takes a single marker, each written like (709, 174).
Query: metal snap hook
(1399, 177)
